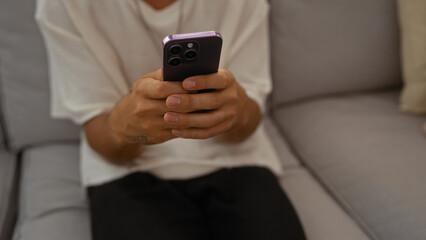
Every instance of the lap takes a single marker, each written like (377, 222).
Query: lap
(240, 203)
(250, 204)
(143, 207)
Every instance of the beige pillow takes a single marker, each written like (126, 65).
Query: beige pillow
(412, 14)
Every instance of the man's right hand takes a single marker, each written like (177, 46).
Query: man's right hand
(138, 117)
(136, 120)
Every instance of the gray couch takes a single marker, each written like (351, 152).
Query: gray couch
(354, 166)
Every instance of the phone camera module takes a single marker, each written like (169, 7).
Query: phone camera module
(175, 49)
(175, 61)
(190, 54)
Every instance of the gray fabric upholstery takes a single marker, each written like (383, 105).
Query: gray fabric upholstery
(2, 126)
(7, 196)
(321, 217)
(370, 157)
(52, 201)
(24, 79)
(1, 136)
(288, 160)
(310, 200)
(336, 46)
(2, 139)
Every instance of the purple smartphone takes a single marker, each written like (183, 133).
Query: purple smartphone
(191, 54)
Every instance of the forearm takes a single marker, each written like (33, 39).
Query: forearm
(102, 140)
(250, 119)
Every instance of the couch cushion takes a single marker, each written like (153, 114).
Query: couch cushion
(52, 201)
(24, 79)
(309, 198)
(368, 155)
(8, 181)
(336, 46)
(321, 217)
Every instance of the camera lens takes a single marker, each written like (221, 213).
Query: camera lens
(175, 49)
(190, 54)
(175, 61)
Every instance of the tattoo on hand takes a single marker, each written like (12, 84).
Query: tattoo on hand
(137, 139)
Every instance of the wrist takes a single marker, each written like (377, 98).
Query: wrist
(126, 151)
(117, 139)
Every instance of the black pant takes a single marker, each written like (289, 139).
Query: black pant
(238, 204)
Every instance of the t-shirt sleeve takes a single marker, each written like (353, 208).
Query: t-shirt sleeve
(249, 52)
(80, 87)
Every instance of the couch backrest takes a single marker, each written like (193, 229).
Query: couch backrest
(24, 79)
(332, 47)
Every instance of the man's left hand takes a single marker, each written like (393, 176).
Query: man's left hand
(209, 114)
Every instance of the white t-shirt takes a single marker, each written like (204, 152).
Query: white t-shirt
(97, 49)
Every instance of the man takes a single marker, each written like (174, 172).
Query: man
(154, 165)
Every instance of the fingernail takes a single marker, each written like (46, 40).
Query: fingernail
(171, 118)
(177, 133)
(173, 101)
(188, 84)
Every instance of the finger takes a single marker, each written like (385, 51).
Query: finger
(151, 124)
(150, 108)
(158, 75)
(156, 89)
(195, 120)
(202, 133)
(185, 103)
(220, 80)
(159, 125)
(163, 136)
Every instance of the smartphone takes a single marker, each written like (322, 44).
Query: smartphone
(191, 54)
